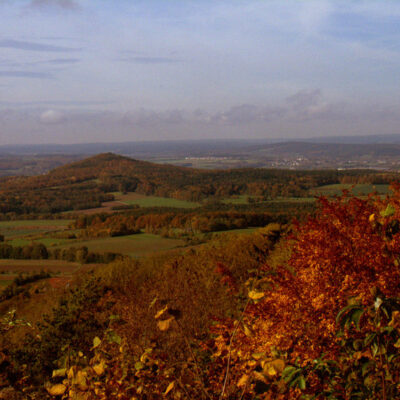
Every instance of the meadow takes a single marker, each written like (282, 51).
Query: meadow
(29, 266)
(19, 228)
(152, 201)
(137, 245)
(357, 190)
(10, 269)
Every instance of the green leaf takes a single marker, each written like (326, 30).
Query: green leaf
(390, 210)
(366, 367)
(112, 337)
(139, 365)
(302, 382)
(356, 316)
(369, 339)
(153, 302)
(96, 342)
(288, 373)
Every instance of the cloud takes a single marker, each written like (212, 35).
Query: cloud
(27, 74)
(61, 123)
(63, 61)
(247, 113)
(53, 103)
(150, 60)
(64, 4)
(52, 117)
(304, 98)
(31, 46)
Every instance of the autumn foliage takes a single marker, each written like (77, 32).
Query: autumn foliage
(322, 323)
(349, 252)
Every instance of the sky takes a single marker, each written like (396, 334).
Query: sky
(79, 71)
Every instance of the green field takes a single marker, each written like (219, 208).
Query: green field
(132, 245)
(292, 200)
(357, 190)
(56, 223)
(4, 282)
(16, 266)
(12, 229)
(19, 242)
(240, 199)
(152, 201)
(49, 241)
(242, 231)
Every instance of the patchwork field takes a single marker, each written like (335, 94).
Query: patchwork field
(152, 201)
(22, 266)
(132, 245)
(11, 229)
(242, 199)
(358, 190)
(244, 231)
(10, 269)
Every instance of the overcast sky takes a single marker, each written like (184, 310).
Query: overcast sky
(100, 71)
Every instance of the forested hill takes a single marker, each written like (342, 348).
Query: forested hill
(88, 183)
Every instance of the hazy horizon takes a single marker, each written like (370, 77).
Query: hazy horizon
(80, 71)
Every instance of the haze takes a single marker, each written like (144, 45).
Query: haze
(74, 71)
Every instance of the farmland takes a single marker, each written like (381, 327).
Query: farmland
(23, 228)
(152, 201)
(357, 190)
(10, 269)
(29, 266)
(132, 245)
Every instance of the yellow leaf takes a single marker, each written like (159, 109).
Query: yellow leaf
(59, 372)
(80, 380)
(274, 367)
(270, 370)
(247, 331)
(96, 342)
(99, 368)
(256, 295)
(161, 312)
(371, 218)
(71, 373)
(243, 381)
(258, 356)
(57, 390)
(169, 388)
(259, 377)
(165, 324)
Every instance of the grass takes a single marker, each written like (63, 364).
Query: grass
(152, 201)
(292, 200)
(240, 199)
(39, 223)
(4, 282)
(357, 190)
(12, 229)
(238, 231)
(243, 199)
(49, 242)
(19, 242)
(55, 266)
(132, 245)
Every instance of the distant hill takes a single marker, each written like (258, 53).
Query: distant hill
(362, 139)
(90, 182)
(139, 148)
(337, 150)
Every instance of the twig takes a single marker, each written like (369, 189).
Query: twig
(194, 359)
(230, 349)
